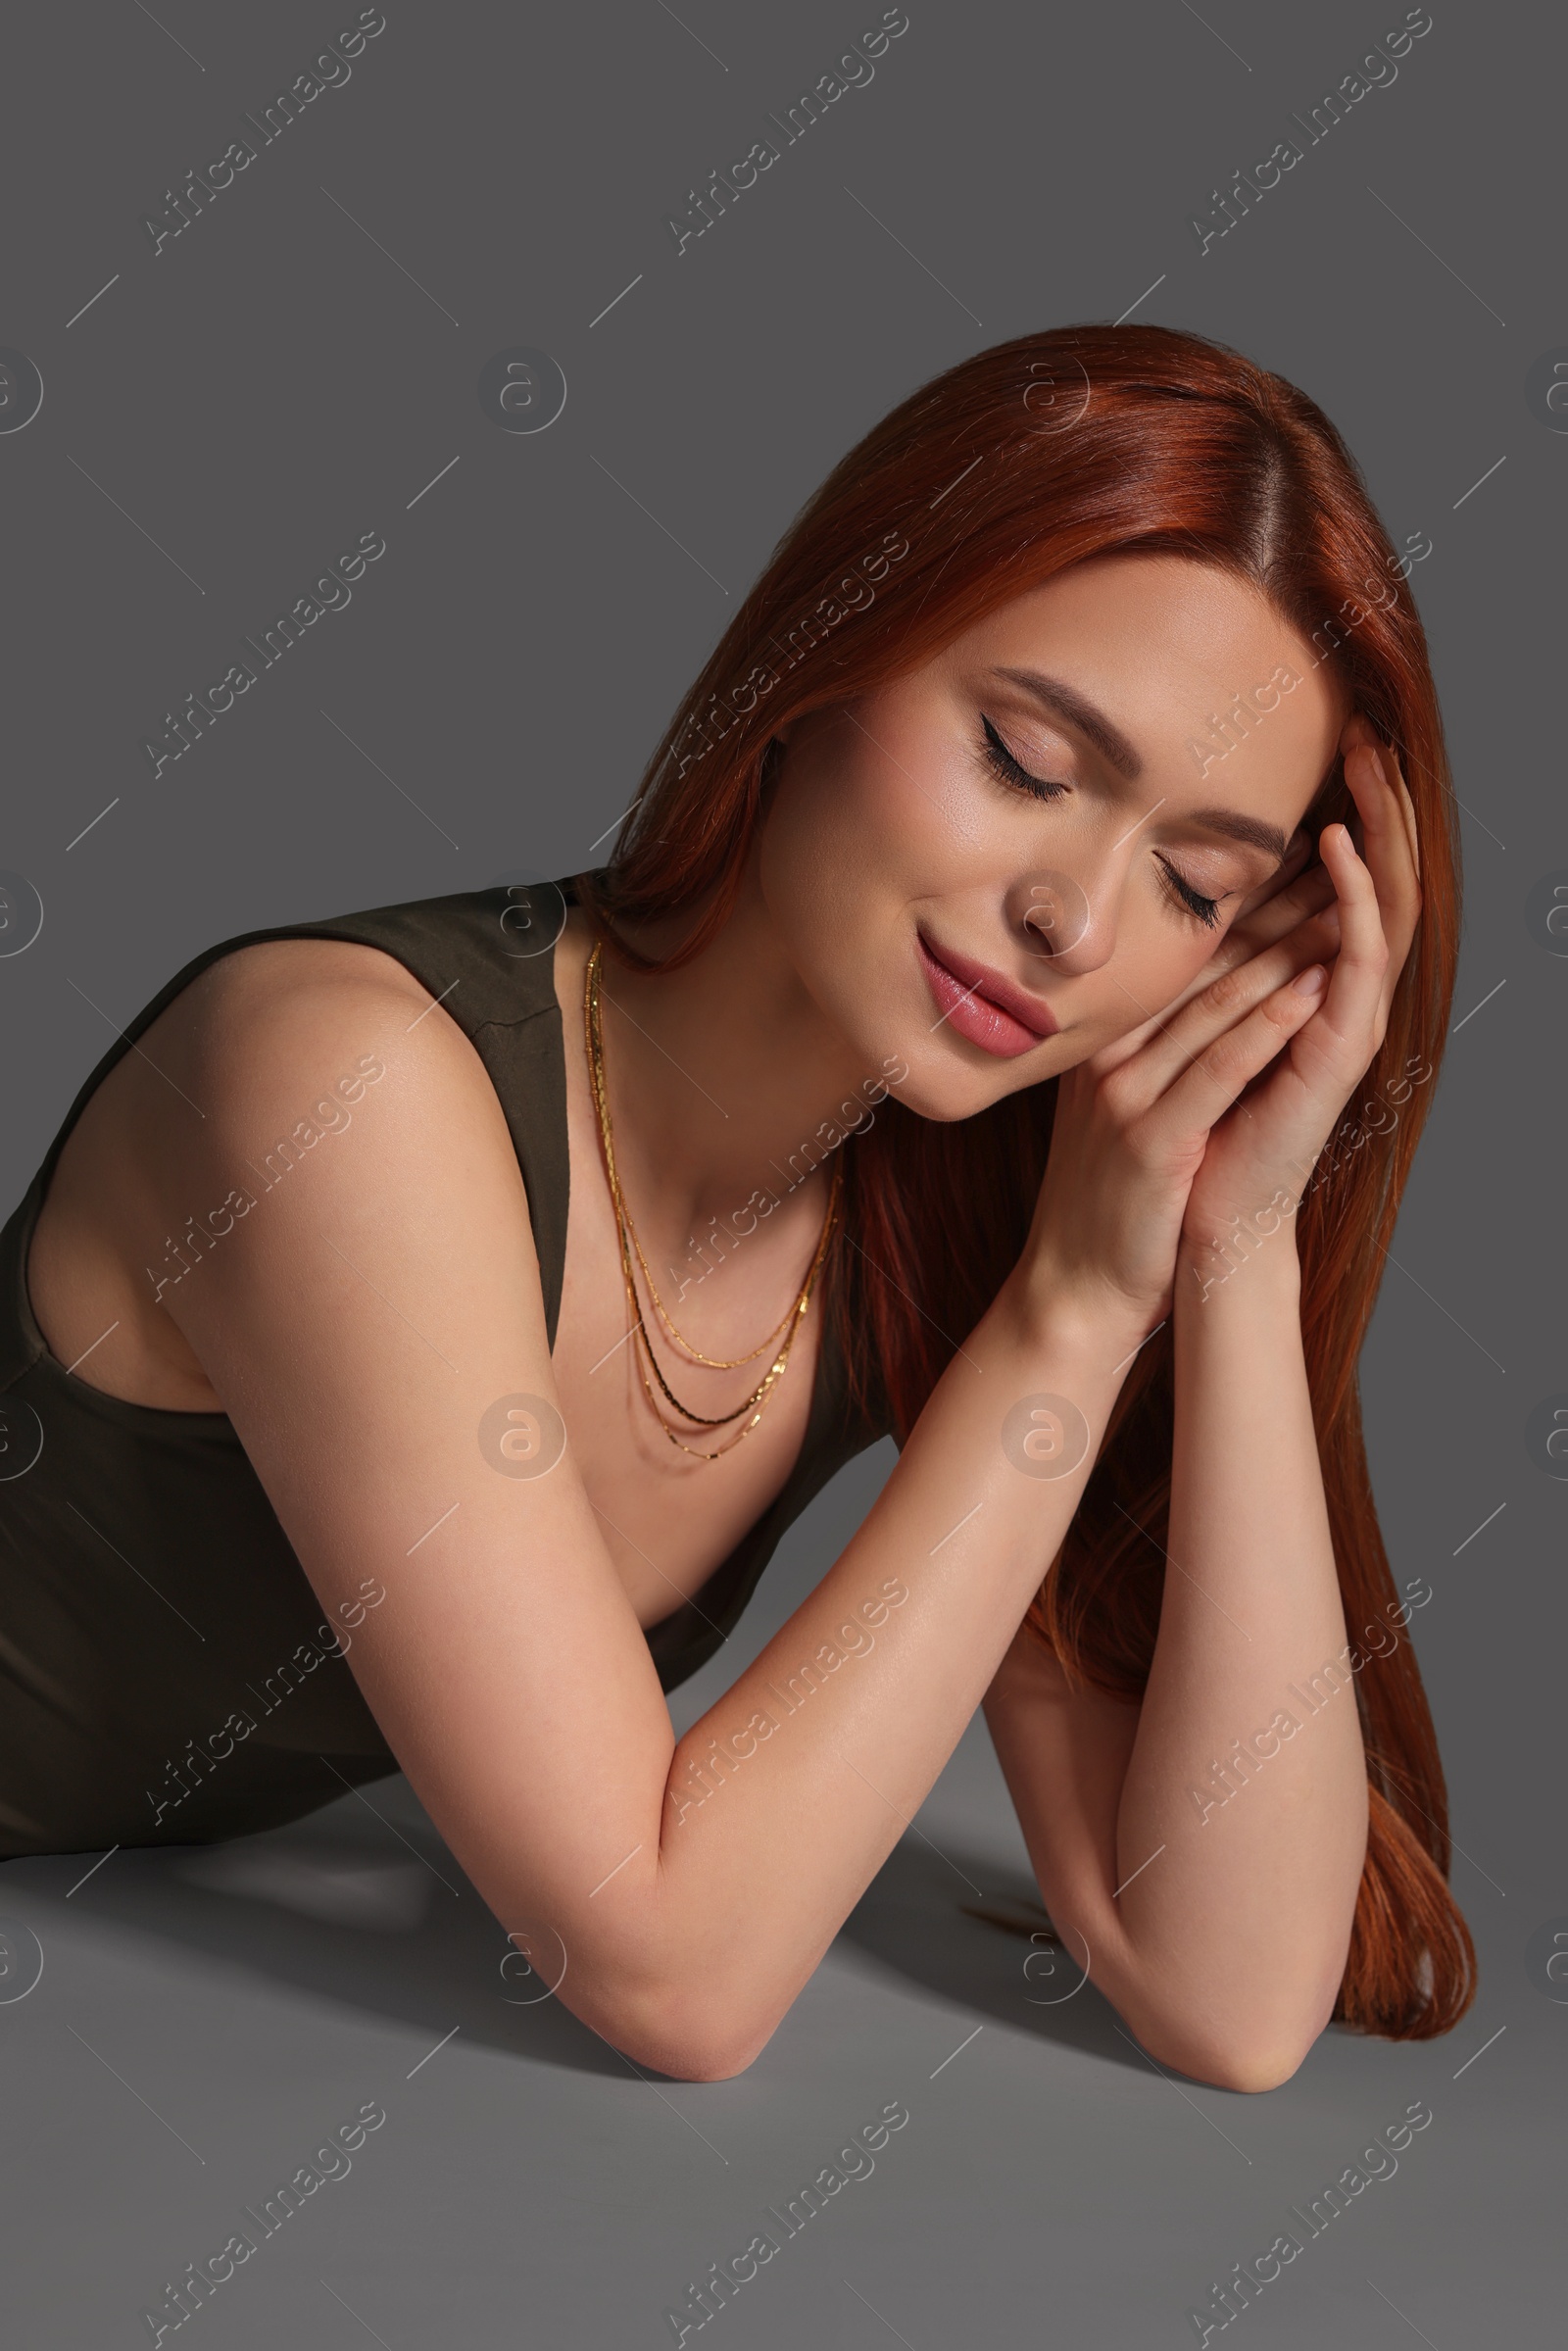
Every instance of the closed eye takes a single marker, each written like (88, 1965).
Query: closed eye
(1207, 909)
(1012, 772)
(1000, 760)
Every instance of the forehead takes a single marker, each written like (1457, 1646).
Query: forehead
(1222, 699)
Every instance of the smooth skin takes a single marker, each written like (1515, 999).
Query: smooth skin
(359, 1324)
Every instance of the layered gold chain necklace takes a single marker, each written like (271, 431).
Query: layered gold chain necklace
(757, 1402)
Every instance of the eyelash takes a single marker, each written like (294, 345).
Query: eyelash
(1202, 909)
(1000, 760)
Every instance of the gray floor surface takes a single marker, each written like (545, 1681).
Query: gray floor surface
(206, 2016)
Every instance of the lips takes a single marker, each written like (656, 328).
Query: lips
(984, 1006)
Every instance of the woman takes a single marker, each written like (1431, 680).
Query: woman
(1006, 826)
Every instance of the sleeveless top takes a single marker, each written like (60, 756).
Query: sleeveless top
(166, 1675)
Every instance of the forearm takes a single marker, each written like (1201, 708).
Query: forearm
(785, 1799)
(1247, 1777)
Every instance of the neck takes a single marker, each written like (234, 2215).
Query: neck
(723, 1076)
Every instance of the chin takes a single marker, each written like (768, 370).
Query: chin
(947, 1086)
(963, 1093)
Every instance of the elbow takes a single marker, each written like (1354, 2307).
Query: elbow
(687, 2032)
(706, 2053)
(672, 2003)
(1260, 2036)
(1267, 2065)
(1227, 2058)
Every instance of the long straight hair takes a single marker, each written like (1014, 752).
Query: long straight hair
(995, 477)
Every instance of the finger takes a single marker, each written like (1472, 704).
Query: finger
(1383, 839)
(1299, 855)
(1227, 1066)
(1271, 911)
(1351, 1026)
(1307, 894)
(1360, 729)
(1407, 805)
(1369, 773)
(1223, 1003)
(1387, 854)
(1371, 765)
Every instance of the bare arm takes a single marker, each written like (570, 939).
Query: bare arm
(365, 1326)
(1207, 1846)
(1212, 1885)
(358, 1325)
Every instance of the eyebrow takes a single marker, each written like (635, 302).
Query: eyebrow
(1236, 827)
(1064, 702)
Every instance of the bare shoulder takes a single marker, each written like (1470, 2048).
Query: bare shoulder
(288, 1074)
(285, 1038)
(352, 1255)
(364, 1298)
(325, 1079)
(284, 995)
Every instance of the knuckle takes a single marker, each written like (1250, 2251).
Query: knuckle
(1124, 1094)
(1229, 993)
(1226, 1059)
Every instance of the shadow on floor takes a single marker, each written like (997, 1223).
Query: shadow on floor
(367, 1907)
(917, 1919)
(336, 1906)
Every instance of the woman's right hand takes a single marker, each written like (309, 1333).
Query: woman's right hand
(1132, 1121)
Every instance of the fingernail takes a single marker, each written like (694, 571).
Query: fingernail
(1311, 981)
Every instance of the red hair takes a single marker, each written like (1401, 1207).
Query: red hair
(1018, 461)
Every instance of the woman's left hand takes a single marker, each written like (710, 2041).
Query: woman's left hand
(1261, 1152)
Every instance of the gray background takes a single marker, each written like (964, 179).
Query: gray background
(294, 371)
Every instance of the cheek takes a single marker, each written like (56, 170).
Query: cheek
(1159, 953)
(818, 842)
(829, 811)
(846, 839)
(1157, 959)
(852, 850)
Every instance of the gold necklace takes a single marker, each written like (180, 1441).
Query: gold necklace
(693, 1355)
(594, 1037)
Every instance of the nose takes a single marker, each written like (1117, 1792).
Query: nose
(1055, 916)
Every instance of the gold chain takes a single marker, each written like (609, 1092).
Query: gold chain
(594, 1036)
(693, 1355)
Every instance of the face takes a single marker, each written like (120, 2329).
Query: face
(1007, 859)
